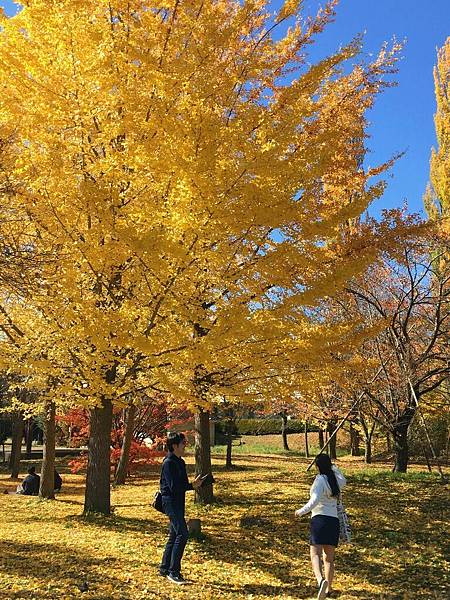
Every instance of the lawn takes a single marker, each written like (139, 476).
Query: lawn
(252, 547)
(273, 444)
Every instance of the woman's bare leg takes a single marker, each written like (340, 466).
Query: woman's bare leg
(316, 561)
(328, 564)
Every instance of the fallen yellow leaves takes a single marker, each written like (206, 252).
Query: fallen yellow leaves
(252, 546)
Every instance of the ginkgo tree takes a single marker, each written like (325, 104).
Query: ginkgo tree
(191, 175)
(437, 199)
(437, 196)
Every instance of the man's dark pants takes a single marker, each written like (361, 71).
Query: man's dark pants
(178, 536)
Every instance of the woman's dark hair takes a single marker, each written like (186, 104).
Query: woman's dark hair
(174, 439)
(323, 462)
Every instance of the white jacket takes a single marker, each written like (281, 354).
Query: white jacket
(321, 502)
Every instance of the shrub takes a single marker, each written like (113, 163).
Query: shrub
(438, 431)
(264, 426)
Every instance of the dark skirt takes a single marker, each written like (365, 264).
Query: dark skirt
(324, 531)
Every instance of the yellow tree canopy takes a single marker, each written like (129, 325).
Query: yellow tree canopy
(186, 169)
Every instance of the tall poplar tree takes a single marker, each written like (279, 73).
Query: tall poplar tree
(437, 199)
(437, 196)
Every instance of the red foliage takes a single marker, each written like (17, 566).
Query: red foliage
(151, 422)
(78, 464)
(77, 421)
(140, 455)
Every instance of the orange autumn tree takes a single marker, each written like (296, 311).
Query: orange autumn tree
(191, 173)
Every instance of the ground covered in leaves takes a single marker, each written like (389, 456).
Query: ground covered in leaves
(252, 546)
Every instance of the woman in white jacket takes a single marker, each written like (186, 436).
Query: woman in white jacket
(324, 538)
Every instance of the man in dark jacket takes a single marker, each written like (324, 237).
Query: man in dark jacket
(30, 485)
(173, 485)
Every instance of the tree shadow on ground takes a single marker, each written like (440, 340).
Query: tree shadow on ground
(69, 501)
(383, 552)
(118, 523)
(226, 499)
(259, 542)
(265, 461)
(293, 590)
(237, 469)
(58, 564)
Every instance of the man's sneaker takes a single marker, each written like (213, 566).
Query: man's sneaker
(163, 572)
(178, 579)
(323, 588)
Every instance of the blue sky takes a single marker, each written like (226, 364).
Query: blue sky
(402, 119)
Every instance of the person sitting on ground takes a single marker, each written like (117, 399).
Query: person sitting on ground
(30, 485)
(58, 482)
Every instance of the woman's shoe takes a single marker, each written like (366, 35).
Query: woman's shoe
(323, 588)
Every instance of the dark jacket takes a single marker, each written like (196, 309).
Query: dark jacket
(30, 485)
(58, 481)
(174, 481)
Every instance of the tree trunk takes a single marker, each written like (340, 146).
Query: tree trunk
(321, 438)
(332, 445)
(122, 467)
(98, 493)
(388, 442)
(47, 485)
(62, 434)
(228, 463)
(401, 452)
(355, 439)
(306, 439)
(29, 437)
(16, 445)
(427, 459)
(400, 435)
(284, 421)
(367, 438)
(194, 527)
(205, 494)
(368, 450)
(447, 446)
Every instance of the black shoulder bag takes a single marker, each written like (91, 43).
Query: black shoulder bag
(157, 502)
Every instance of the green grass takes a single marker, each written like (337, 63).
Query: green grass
(257, 445)
(373, 476)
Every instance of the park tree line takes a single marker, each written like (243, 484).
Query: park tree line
(183, 217)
